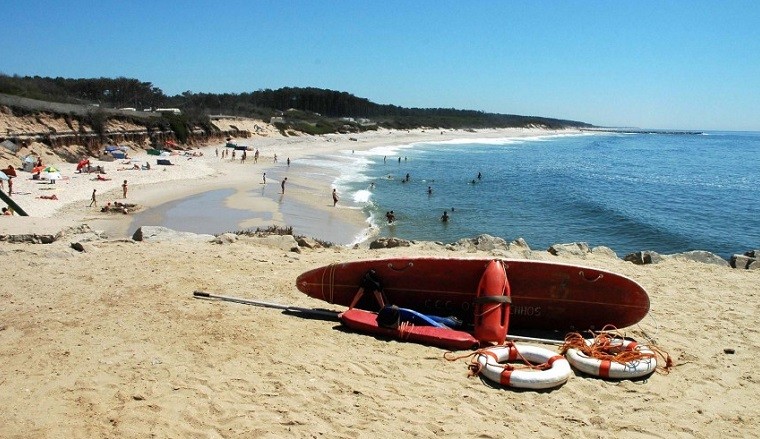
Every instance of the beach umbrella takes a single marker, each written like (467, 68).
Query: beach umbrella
(51, 169)
(9, 171)
(37, 169)
(3, 176)
(52, 176)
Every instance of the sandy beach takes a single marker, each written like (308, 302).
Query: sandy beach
(307, 203)
(109, 342)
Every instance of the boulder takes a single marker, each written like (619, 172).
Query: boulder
(604, 251)
(225, 238)
(388, 243)
(308, 242)
(741, 261)
(482, 242)
(749, 260)
(158, 233)
(644, 257)
(701, 256)
(282, 242)
(574, 249)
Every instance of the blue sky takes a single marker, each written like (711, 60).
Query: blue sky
(673, 64)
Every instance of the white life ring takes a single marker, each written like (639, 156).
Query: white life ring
(612, 369)
(556, 375)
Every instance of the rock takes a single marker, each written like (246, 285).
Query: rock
(307, 242)
(644, 257)
(604, 251)
(749, 260)
(77, 246)
(488, 242)
(741, 261)
(225, 238)
(701, 256)
(482, 242)
(157, 233)
(31, 238)
(519, 244)
(388, 243)
(574, 248)
(282, 242)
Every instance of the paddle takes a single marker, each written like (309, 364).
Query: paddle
(536, 340)
(307, 312)
(332, 315)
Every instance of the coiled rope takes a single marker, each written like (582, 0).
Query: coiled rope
(608, 344)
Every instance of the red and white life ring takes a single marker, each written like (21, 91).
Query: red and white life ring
(611, 369)
(489, 360)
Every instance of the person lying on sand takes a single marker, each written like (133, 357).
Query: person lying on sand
(134, 167)
(48, 197)
(101, 178)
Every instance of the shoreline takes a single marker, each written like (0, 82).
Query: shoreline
(307, 201)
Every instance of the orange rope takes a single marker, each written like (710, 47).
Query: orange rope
(608, 345)
(475, 367)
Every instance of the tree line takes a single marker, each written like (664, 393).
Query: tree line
(303, 109)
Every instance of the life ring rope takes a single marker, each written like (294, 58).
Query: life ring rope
(610, 346)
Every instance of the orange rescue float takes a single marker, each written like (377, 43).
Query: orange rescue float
(492, 304)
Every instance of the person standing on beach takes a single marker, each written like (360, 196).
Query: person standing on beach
(282, 185)
(124, 188)
(335, 197)
(94, 200)
(264, 177)
(256, 156)
(243, 157)
(288, 161)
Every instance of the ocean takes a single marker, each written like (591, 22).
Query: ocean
(666, 192)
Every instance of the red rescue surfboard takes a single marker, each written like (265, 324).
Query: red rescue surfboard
(545, 295)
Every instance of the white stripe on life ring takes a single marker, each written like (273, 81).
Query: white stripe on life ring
(556, 375)
(612, 369)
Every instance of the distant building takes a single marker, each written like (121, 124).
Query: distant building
(168, 110)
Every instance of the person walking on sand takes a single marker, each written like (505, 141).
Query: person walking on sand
(288, 161)
(94, 200)
(124, 189)
(283, 184)
(335, 197)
